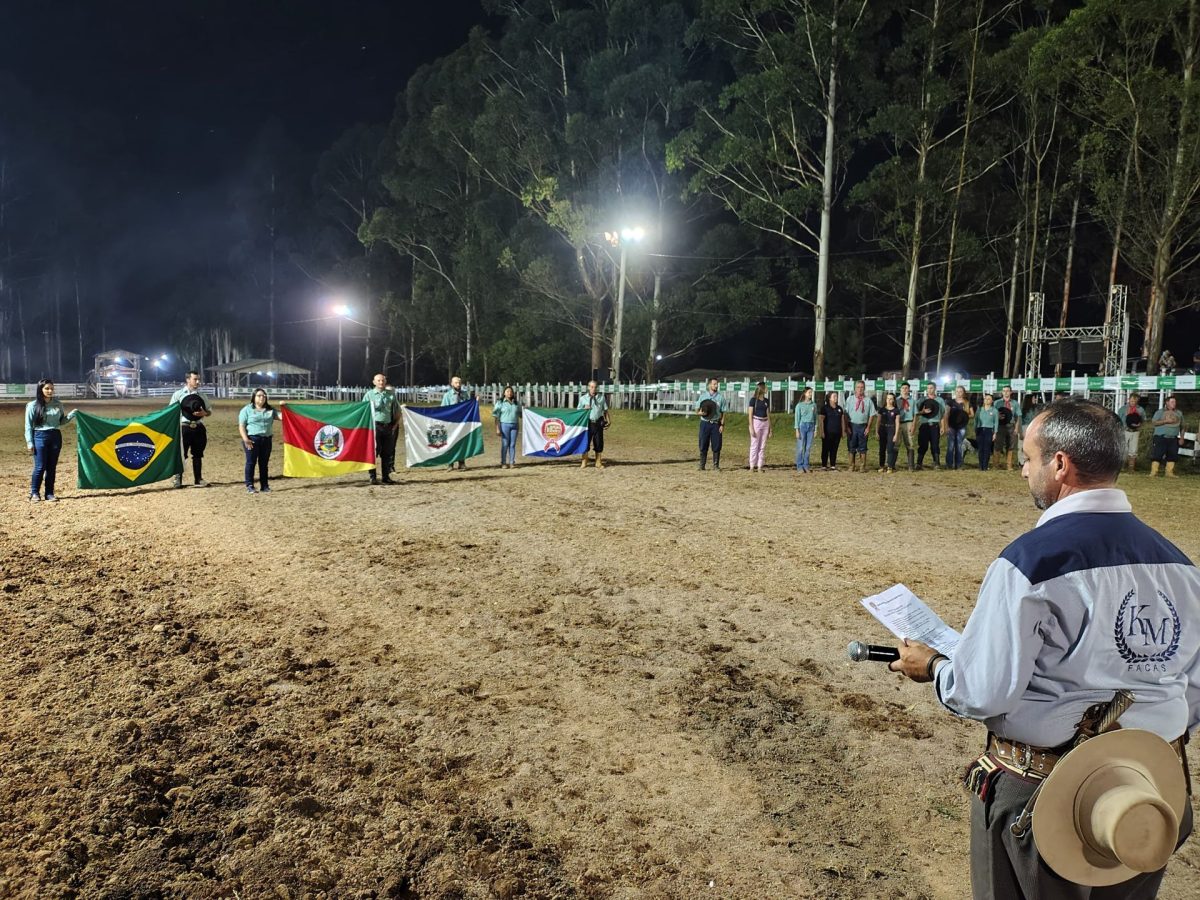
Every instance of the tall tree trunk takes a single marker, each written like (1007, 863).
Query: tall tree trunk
(1164, 250)
(652, 362)
(826, 210)
(925, 342)
(958, 188)
(1116, 248)
(914, 258)
(1013, 284)
(1066, 304)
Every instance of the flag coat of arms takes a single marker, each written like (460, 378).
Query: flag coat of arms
(121, 453)
(321, 439)
(554, 432)
(440, 435)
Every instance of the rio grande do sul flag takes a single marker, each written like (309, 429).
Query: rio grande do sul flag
(121, 453)
(554, 432)
(322, 439)
(440, 435)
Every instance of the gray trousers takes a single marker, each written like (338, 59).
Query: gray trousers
(1007, 868)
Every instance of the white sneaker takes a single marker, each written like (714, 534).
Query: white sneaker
(201, 483)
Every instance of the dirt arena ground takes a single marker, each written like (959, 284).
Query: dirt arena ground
(540, 682)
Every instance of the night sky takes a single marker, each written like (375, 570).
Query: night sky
(162, 103)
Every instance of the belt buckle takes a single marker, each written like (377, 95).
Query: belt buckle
(1025, 762)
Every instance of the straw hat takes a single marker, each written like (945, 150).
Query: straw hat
(1111, 808)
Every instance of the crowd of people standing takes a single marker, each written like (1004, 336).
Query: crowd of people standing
(907, 430)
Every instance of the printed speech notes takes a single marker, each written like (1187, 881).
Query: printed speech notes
(905, 615)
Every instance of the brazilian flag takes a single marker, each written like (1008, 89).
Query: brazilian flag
(121, 453)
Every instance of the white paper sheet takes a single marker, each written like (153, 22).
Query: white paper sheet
(905, 615)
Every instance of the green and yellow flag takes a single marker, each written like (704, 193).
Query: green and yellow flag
(121, 453)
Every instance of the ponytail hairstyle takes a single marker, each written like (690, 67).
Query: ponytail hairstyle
(39, 411)
(760, 391)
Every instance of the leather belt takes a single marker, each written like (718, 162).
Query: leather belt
(1037, 762)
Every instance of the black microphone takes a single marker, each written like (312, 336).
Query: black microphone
(858, 651)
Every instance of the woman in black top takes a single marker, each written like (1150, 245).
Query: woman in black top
(831, 431)
(889, 430)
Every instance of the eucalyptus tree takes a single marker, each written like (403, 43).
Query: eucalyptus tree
(773, 143)
(1133, 65)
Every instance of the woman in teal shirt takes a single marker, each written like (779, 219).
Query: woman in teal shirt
(806, 426)
(987, 419)
(44, 416)
(254, 425)
(507, 412)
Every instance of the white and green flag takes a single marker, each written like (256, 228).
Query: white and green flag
(440, 435)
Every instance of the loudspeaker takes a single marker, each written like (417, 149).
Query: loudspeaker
(1091, 353)
(1062, 353)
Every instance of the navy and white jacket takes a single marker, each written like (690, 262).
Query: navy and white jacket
(1090, 601)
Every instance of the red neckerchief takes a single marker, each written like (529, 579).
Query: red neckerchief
(858, 404)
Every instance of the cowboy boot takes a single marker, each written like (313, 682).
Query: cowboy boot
(910, 460)
(583, 463)
(1153, 470)
(599, 460)
(1008, 460)
(1171, 470)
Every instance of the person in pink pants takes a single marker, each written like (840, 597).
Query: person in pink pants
(759, 417)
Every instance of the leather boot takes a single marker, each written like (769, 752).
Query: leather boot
(599, 460)
(1131, 466)
(1153, 469)
(583, 464)
(1171, 470)
(1008, 460)
(910, 460)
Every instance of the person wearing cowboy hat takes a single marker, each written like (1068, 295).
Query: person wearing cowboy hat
(1089, 603)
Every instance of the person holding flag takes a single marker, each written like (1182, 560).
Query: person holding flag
(593, 401)
(452, 397)
(385, 413)
(44, 416)
(255, 422)
(194, 409)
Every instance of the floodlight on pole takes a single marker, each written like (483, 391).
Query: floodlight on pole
(629, 235)
(342, 311)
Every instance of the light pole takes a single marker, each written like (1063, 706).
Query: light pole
(341, 311)
(621, 239)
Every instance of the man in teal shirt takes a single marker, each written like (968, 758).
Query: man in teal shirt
(712, 426)
(861, 410)
(193, 435)
(385, 412)
(597, 407)
(456, 394)
(1168, 431)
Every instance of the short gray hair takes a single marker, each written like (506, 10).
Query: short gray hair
(1091, 436)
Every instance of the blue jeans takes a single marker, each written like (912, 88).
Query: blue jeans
(47, 444)
(508, 443)
(956, 439)
(858, 438)
(983, 442)
(258, 455)
(804, 445)
(710, 436)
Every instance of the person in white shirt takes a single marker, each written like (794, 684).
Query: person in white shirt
(1090, 602)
